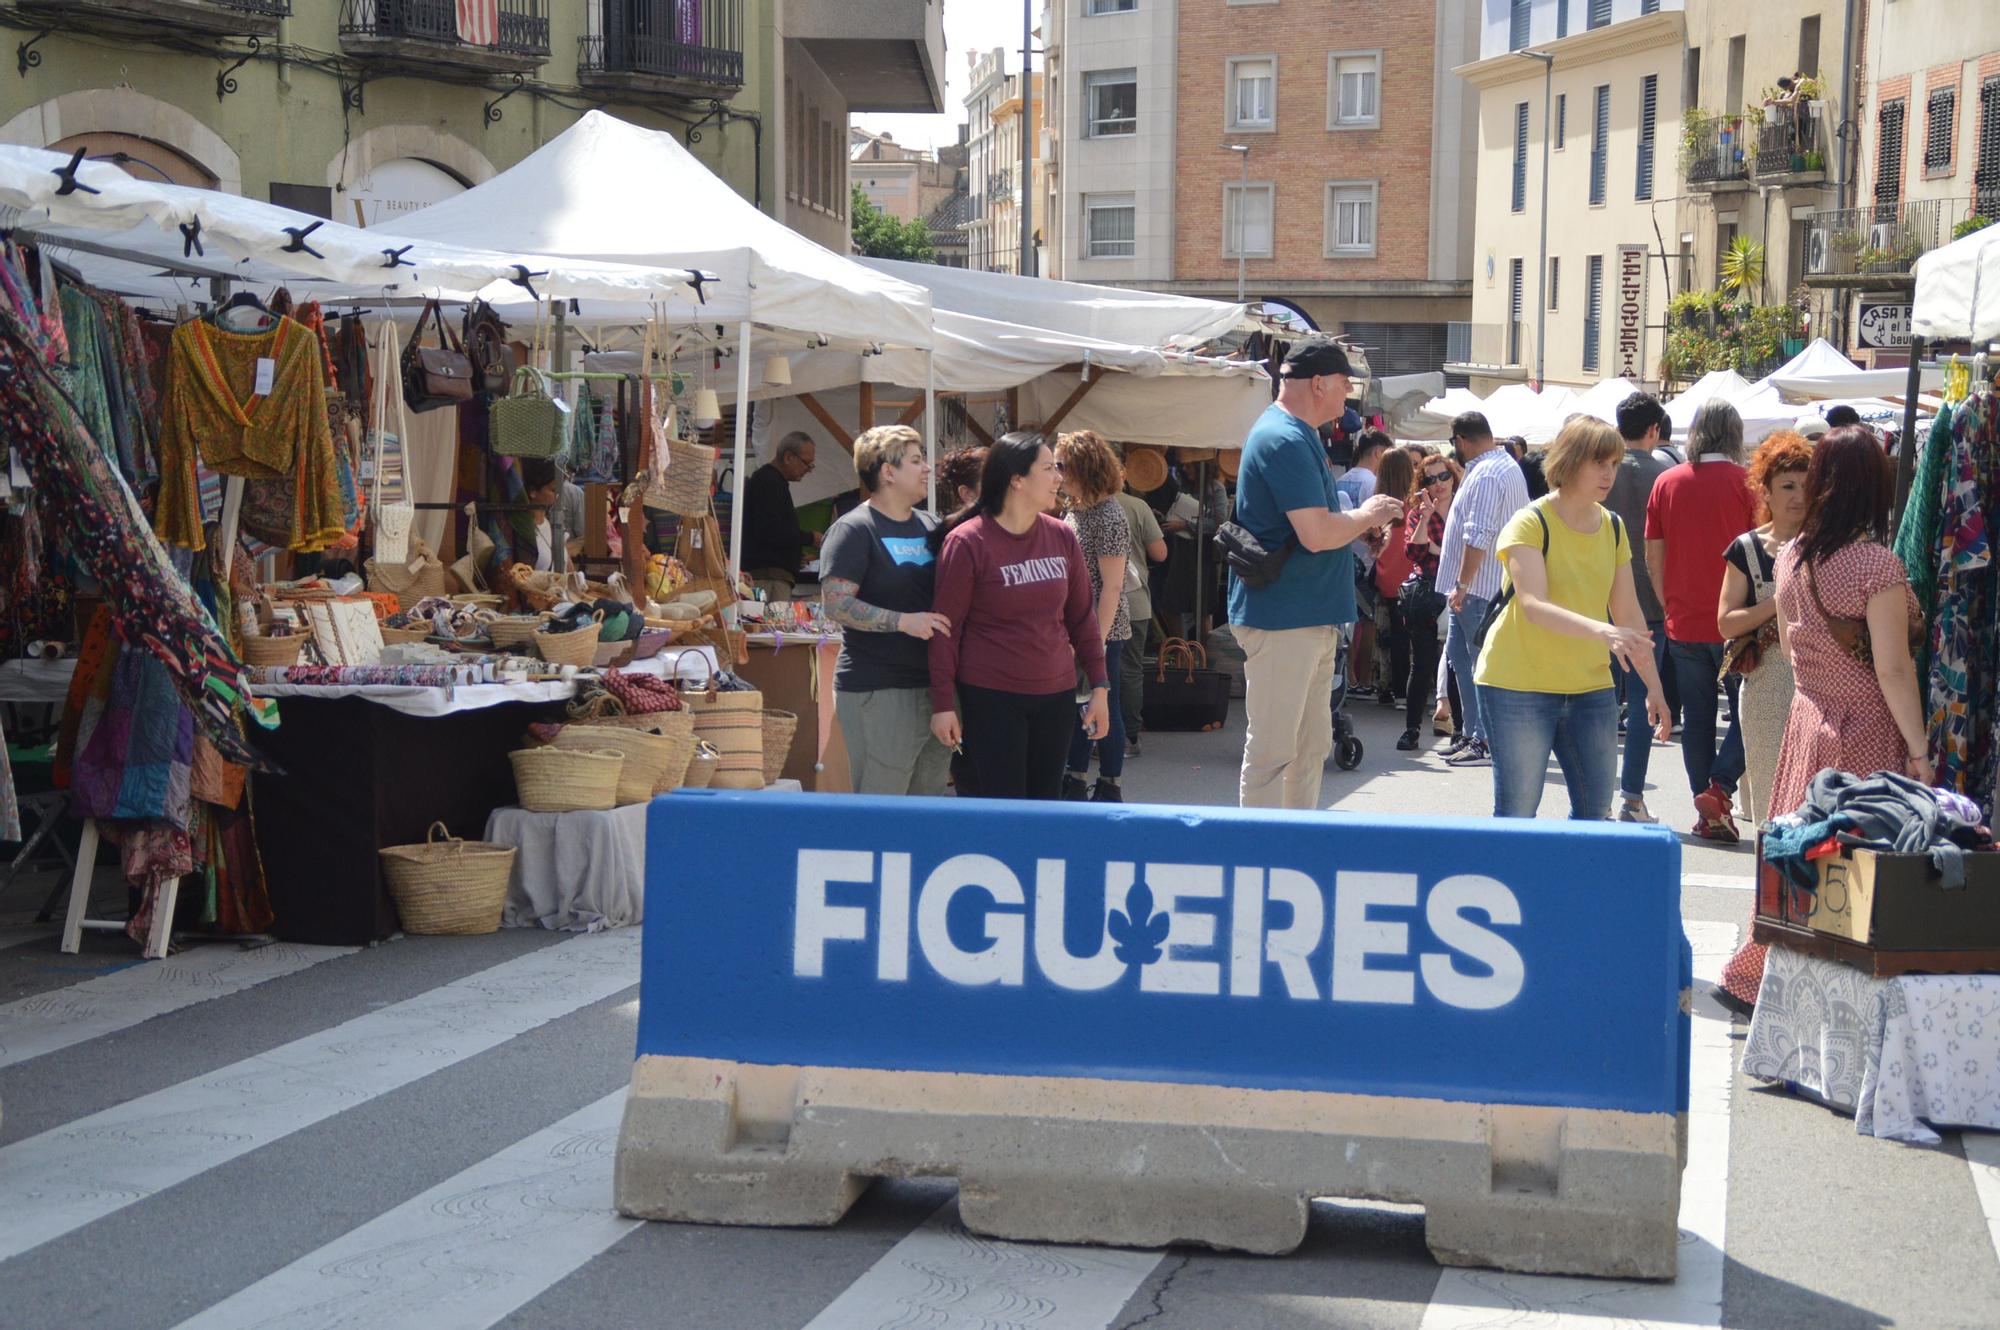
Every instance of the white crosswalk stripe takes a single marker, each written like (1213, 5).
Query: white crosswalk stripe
(42, 1024)
(465, 1253)
(60, 1180)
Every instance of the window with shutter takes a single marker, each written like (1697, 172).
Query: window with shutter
(1649, 6)
(1517, 24)
(1600, 142)
(1562, 18)
(1889, 153)
(1514, 311)
(1649, 109)
(1593, 317)
(1562, 119)
(1938, 130)
(1520, 157)
(1600, 13)
(1986, 173)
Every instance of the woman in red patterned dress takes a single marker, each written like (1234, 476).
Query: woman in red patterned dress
(1846, 714)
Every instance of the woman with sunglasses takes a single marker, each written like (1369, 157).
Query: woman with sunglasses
(1422, 533)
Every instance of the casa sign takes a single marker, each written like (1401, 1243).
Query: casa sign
(1884, 324)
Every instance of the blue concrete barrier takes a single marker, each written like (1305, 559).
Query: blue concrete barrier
(1515, 990)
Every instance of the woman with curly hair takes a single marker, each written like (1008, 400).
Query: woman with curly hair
(1091, 479)
(1748, 613)
(958, 478)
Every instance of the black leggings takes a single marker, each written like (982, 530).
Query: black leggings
(1017, 743)
(1424, 649)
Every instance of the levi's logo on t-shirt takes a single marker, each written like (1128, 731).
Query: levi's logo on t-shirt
(907, 551)
(1030, 571)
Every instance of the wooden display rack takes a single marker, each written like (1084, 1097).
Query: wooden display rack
(1877, 962)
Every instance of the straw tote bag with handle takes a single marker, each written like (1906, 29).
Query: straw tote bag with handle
(392, 523)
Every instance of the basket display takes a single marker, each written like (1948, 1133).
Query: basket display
(516, 631)
(479, 600)
(392, 636)
(1145, 469)
(1191, 456)
(273, 652)
(448, 885)
(734, 724)
(408, 588)
(577, 648)
(701, 768)
(565, 780)
(779, 727)
(690, 476)
(655, 761)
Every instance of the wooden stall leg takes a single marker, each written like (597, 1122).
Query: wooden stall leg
(160, 936)
(79, 889)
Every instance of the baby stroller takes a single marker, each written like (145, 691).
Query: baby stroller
(1347, 748)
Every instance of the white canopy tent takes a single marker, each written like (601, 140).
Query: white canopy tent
(1602, 400)
(1958, 290)
(1100, 313)
(1720, 385)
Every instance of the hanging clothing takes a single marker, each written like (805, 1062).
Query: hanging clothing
(1965, 640)
(84, 375)
(1916, 539)
(214, 413)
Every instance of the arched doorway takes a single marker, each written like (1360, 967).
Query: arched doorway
(142, 158)
(396, 187)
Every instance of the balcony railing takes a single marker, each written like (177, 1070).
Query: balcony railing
(1885, 240)
(520, 31)
(1791, 142)
(1000, 182)
(693, 43)
(1717, 154)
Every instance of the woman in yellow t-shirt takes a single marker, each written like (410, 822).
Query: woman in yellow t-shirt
(1568, 609)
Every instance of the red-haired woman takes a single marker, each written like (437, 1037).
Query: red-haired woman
(1749, 608)
(1850, 714)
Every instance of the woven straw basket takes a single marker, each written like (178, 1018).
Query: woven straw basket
(266, 652)
(479, 600)
(392, 636)
(563, 780)
(1145, 468)
(1190, 456)
(701, 767)
(779, 727)
(516, 631)
(654, 762)
(734, 724)
(657, 729)
(577, 648)
(408, 588)
(1229, 461)
(448, 885)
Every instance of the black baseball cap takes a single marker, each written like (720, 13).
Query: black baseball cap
(1311, 357)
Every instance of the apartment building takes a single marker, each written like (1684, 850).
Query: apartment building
(364, 109)
(1587, 86)
(1111, 85)
(906, 183)
(1317, 164)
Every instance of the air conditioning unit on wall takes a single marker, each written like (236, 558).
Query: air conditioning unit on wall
(1817, 251)
(1882, 235)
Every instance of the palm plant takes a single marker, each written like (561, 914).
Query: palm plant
(1743, 266)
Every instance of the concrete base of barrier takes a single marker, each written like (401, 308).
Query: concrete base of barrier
(1147, 1164)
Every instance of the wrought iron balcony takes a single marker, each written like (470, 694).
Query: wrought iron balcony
(672, 46)
(427, 32)
(1716, 157)
(1876, 246)
(216, 18)
(1791, 145)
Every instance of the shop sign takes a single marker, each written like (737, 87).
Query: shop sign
(1628, 348)
(1463, 960)
(1884, 323)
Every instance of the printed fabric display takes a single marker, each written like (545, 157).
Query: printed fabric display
(1965, 639)
(215, 414)
(1917, 533)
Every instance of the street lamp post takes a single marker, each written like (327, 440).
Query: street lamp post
(1026, 205)
(1241, 195)
(1542, 270)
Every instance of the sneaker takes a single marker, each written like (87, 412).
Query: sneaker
(1106, 792)
(1408, 743)
(1635, 810)
(1131, 748)
(1075, 788)
(1361, 690)
(1714, 815)
(1456, 745)
(1388, 698)
(1474, 754)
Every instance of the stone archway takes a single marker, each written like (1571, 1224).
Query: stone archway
(387, 143)
(128, 113)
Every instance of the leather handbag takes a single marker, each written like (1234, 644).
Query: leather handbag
(1419, 601)
(486, 346)
(435, 376)
(1853, 636)
(1183, 693)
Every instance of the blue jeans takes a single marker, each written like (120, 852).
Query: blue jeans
(1696, 664)
(1460, 628)
(1581, 729)
(1638, 732)
(1111, 748)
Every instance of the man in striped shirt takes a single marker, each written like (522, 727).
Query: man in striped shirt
(1492, 492)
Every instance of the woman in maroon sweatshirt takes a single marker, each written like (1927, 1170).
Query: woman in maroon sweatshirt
(1012, 583)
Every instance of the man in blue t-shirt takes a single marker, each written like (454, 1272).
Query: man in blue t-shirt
(1289, 629)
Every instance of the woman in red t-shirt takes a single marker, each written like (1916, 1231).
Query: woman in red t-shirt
(1422, 534)
(1012, 583)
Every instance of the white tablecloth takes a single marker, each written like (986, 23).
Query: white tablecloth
(1896, 1053)
(576, 871)
(36, 681)
(477, 696)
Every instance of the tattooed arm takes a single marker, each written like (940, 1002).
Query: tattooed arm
(845, 607)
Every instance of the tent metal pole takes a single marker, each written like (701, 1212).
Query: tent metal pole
(1201, 485)
(930, 425)
(1906, 455)
(742, 449)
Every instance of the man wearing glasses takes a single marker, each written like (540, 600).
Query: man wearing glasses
(773, 542)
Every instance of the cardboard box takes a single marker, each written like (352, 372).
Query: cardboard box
(1899, 901)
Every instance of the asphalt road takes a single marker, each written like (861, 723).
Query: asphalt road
(419, 1134)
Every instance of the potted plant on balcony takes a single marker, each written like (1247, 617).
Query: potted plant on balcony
(1815, 160)
(1696, 126)
(1743, 267)
(1969, 225)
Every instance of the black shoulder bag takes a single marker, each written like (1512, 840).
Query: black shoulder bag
(1253, 564)
(1507, 591)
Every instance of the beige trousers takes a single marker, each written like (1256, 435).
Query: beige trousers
(1288, 699)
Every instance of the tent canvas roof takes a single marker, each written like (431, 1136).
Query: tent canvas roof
(1958, 290)
(605, 189)
(1602, 400)
(1105, 313)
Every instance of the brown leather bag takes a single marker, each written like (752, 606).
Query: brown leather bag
(435, 376)
(493, 362)
(1853, 635)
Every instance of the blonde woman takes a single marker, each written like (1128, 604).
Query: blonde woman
(1569, 607)
(1092, 477)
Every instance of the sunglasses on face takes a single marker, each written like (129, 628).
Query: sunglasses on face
(1436, 477)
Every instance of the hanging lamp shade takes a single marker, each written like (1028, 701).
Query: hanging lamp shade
(778, 371)
(706, 409)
